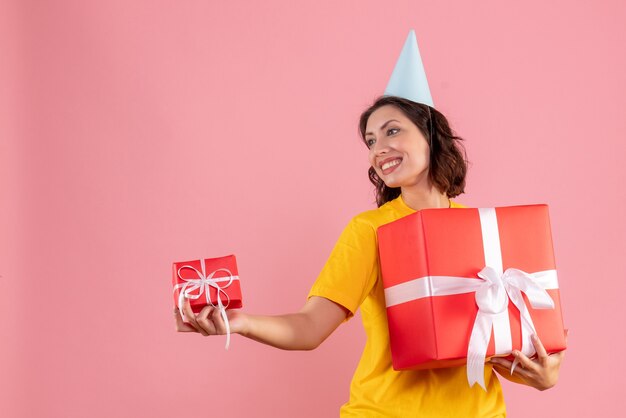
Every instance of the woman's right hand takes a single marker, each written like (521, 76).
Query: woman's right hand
(208, 321)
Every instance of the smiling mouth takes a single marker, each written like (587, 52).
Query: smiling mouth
(390, 164)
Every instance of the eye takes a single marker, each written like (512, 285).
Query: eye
(369, 142)
(392, 131)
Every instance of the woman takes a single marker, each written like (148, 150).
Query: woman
(416, 163)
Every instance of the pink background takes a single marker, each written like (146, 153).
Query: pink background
(137, 133)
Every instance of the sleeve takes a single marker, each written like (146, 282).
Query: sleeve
(351, 271)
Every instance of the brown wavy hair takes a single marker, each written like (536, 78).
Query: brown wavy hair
(448, 160)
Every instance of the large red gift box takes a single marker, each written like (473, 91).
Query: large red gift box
(210, 281)
(440, 265)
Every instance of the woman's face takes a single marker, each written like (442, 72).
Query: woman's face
(397, 149)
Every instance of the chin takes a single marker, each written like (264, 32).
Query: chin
(392, 184)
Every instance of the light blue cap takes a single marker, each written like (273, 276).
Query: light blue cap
(408, 79)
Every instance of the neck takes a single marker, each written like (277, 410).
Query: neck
(423, 198)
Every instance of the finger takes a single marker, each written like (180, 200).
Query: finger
(502, 362)
(181, 326)
(506, 372)
(190, 317)
(517, 376)
(204, 320)
(186, 312)
(220, 327)
(501, 369)
(525, 362)
(541, 350)
(522, 373)
(505, 366)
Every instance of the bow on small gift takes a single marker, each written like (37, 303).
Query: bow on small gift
(493, 289)
(195, 288)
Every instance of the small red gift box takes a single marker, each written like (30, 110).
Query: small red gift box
(462, 285)
(210, 281)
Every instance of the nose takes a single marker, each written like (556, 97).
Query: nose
(381, 147)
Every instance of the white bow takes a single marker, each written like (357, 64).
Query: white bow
(492, 298)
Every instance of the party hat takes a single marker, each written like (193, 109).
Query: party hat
(408, 79)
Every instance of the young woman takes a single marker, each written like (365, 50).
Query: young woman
(416, 163)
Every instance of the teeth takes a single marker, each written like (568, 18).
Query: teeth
(390, 164)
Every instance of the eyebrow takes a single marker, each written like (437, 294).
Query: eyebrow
(384, 125)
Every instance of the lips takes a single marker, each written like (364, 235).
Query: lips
(388, 165)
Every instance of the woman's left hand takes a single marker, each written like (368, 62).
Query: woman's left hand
(541, 372)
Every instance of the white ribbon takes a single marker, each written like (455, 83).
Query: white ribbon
(492, 298)
(493, 289)
(202, 285)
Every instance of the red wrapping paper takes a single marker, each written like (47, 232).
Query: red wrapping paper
(230, 294)
(434, 332)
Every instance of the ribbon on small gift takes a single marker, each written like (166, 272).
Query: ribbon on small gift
(195, 288)
(493, 289)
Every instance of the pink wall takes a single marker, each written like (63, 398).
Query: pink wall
(134, 134)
